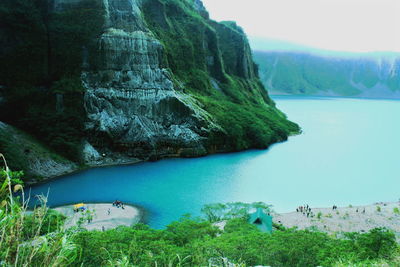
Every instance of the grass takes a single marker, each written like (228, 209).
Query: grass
(368, 263)
(24, 239)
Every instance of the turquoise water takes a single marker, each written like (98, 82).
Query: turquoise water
(348, 154)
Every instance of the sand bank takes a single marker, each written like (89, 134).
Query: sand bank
(346, 219)
(104, 216)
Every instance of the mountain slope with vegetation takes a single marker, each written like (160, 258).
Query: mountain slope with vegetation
(297, 73)
(117, 81)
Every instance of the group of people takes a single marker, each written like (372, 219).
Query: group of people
(81, 209)
(362, 211)
(118, 204)
(306, 210)
(357, 210)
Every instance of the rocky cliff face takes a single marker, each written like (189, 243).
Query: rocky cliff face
(133, 107)
(159, 79)
(37, 159)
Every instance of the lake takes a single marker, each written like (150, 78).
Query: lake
(348, 153)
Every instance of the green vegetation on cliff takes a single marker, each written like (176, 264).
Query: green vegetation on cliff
(47, 48)
(24, 150)
(41, 62)
(213, 61)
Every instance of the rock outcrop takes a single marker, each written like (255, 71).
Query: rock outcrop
(131, 101)
(145, 80)
(39, 161)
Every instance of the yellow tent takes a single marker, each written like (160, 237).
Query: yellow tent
(77, 206)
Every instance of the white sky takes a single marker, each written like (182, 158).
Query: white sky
(343, 25)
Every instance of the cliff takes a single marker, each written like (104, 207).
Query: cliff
(23, 150)
(356, 75)
(116, 81)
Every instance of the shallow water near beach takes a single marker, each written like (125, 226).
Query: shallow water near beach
(348, 153)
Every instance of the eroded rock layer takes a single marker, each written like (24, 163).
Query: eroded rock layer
(102, 82)
(131, 102)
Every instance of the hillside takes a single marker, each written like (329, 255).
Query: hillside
(356, 75)
(117, 81)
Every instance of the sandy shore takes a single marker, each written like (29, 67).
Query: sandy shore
(104, 216)
(345, 219)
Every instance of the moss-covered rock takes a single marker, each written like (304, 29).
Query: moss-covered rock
(135, 80)
(36, 159)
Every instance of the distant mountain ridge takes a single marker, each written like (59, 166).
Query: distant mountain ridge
(373, 75)
(274, 45)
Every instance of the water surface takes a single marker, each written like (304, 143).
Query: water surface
(348, 154)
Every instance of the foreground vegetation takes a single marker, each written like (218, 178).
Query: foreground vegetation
(38, 239)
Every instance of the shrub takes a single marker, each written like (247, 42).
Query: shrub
(35, 240)
(396, 210)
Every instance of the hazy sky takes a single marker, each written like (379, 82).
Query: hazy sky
(344, 25)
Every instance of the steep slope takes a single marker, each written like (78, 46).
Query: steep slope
(117, 81)
(38, 161)
(308, 74)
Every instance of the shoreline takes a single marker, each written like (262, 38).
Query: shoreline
(327, 97)
(103, 216)
(136, 161)
(82, 169)
(360, 218)
(340, 220)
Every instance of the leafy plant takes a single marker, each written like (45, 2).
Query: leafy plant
(30, 240)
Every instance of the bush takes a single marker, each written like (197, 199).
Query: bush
(396, 210)
(35, 240)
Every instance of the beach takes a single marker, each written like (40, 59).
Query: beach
(361, 219)
(101, 216)
(345, 219)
